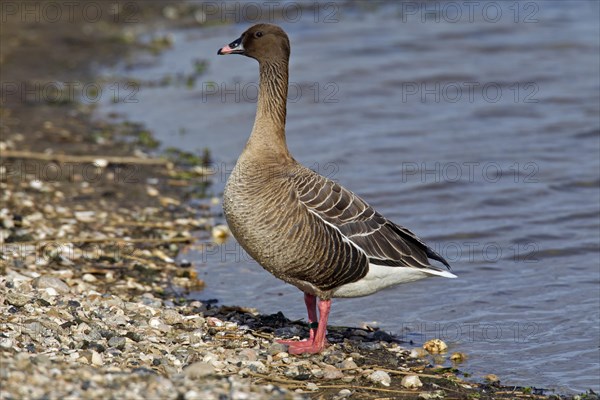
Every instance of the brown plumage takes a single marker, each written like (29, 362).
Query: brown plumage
(302, 227)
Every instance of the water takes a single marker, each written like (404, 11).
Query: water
(482, 137)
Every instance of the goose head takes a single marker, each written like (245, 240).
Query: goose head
(264, 42)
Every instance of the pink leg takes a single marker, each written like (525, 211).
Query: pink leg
(311, 307)
(320, 341)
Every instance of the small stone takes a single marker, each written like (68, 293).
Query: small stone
(381, 377)
(212, 321)
(220, 233)
(198, 370)
(172, 317)
(6, 343)
(369, 346)
(418, 353)
(152, 191)
(44, 282)
(411, 382)
(348, 364)
(89, 278)
(36, 184)
(85, 216)
(292, 372)
(330, 372)
(276, 348)
(256, 366)
(97, 358)
(334, 357)
(342, 394)
(437, 394)
(311, 386)
(100, 162)
(435, 346)
(136, 337)
(248, 355)
(117, 342)
(17, 299)
(155, 322)
(458, 357)
(491, 378)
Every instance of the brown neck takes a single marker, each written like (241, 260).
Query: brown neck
(268, 133)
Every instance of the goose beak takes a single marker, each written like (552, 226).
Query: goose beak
(234, 47)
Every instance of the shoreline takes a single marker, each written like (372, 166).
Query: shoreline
(92, 300)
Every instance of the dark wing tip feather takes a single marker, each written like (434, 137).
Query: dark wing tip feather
(412, 238)
(436, 256)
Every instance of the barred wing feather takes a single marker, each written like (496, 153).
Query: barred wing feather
(383, 242)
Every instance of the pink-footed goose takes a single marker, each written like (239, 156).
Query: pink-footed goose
(300, 226)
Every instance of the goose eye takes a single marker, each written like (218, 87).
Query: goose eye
(258, 34)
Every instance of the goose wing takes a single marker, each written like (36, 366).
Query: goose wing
(382, 241)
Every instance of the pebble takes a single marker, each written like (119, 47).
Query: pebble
(257, 366)
(380, 377)
(437, 394)
(330, 372)
(212, 321)
(101, 163)
(348, 364)
(152, 191)
(50, 291)
(491, 378)
(117, 342)
(172, 317)
(369, 346)
(411, 382)
(199, 370)
(248, 355)
(44, 282)
(89, 278)
(85, 216)
(435, 346)
(97, 358)
(220, 233)
(17, 299)
(277, 348)
(458, 357)
(418, 353)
